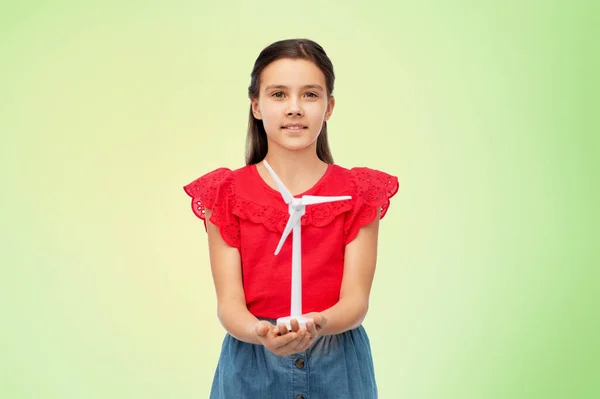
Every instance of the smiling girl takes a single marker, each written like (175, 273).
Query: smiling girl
(291, 99)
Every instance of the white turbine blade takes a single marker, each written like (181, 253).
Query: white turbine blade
(287, 196)
(294, 218)
(313, 199)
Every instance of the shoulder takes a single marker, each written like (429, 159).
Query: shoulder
(214, 188)
(367, 184)
(215, 179)
(371, 191)
(363, 173)
(212, 196)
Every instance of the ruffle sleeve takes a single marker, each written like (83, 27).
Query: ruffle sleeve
(372, 189)
(215, 191)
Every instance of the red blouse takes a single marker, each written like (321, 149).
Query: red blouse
(251, 216)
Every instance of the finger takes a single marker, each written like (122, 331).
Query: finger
(300, 344)
(322, 322)
(309, 342)
(283, 329)
(291, 346)
(283, 340)
(301, 334)
(285, 343)
(303, 342)
(295, 325)
(312, 328)
(317, 319)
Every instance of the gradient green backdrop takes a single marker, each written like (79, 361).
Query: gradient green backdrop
(487, 281)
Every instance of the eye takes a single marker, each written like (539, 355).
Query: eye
(277, 94)
(311, 94)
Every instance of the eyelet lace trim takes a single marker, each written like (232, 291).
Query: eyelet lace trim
(212, 191)
(371, 189)
(275, 219)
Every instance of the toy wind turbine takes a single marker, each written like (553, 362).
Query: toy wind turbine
(297, 208)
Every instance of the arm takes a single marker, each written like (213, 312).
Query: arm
(232, 311)
(359, 269)
(226, 267)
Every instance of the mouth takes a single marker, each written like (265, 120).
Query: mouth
(294, 127)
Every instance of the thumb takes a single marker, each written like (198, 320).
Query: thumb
(318, 319)
(262, 328)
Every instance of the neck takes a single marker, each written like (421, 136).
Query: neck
(297, 169)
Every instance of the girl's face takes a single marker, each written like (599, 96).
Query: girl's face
(292, 103)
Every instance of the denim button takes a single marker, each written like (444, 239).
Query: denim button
(300, 363)
(299, 397)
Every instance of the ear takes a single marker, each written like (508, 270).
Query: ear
(330, 106)
(255, 108)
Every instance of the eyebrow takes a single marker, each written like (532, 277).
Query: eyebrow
(318, 87)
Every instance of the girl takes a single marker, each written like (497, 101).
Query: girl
(291, 99)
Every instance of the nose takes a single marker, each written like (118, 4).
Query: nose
(294, 108)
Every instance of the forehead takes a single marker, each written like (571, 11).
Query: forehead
(292, 72)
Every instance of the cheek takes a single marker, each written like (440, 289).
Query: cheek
(316, 110)
(271, 112)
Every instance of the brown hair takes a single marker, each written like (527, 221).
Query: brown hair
(256, 137)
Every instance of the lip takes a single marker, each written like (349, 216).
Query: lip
(294, 125)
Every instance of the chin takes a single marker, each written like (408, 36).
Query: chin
(295, 145)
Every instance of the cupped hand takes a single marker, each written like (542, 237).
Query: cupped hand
(282, 342)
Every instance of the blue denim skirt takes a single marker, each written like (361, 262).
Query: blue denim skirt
(334, 366)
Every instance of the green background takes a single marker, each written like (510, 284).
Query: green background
(487, 283)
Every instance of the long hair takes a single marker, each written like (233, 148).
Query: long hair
(256, 137)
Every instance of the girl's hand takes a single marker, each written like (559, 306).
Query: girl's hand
(316, 325)
(280, 341)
